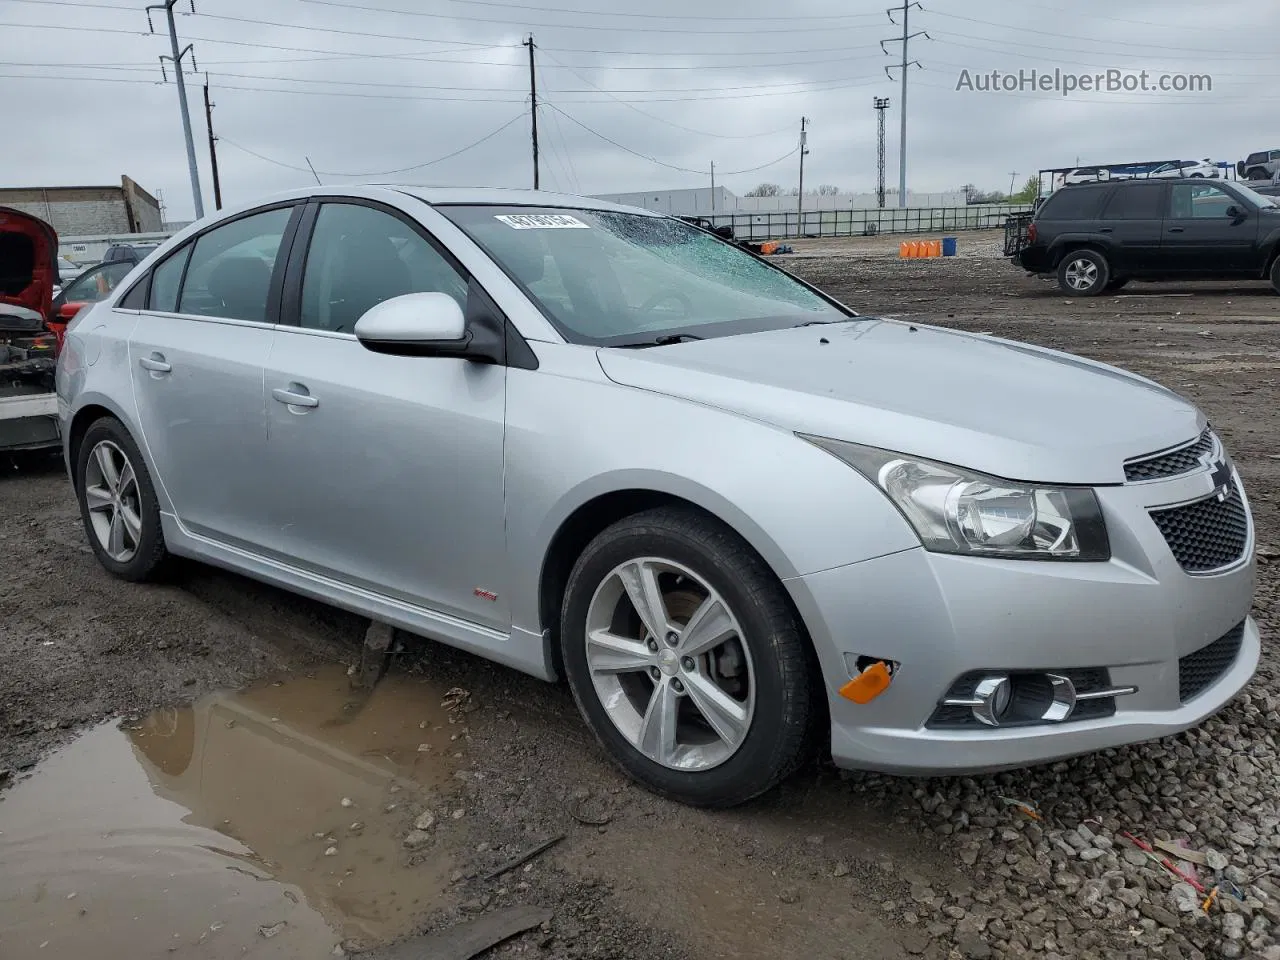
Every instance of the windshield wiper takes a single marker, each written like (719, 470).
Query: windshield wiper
(663, 341)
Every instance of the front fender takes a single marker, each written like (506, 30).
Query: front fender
(573, 439)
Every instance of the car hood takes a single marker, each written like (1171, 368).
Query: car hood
(996, 406)
(28, 261)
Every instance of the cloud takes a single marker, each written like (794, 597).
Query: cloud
(359, 90)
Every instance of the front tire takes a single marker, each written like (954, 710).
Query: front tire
(1083, 273)
(118, 503)
(1257, 173)
(687, 660)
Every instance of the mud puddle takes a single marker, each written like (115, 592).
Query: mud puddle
(265, 823)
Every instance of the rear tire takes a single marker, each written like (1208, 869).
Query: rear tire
(740, 693)
(1083, 273)
(118, 503)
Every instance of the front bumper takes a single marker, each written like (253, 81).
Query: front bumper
(940, 617)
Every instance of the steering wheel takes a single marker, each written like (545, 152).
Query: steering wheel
(686, 307)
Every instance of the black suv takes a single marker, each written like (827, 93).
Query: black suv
(1096, 237)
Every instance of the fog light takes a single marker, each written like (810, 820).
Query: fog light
(991, 699)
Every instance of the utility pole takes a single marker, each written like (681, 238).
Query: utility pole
(713, 186)
(804, 151)
(881, 105)
(213, 151)
(533, 112)
(905, 39)
(1013, 178)
(176, 58)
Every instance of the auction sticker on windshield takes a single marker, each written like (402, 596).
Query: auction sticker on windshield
(542, 221)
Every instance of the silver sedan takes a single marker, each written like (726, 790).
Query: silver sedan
(597, 444)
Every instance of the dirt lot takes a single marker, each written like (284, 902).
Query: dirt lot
(298, 778)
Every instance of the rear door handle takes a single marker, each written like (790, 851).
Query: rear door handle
(1176, 229)
(294, 398)
(1105, 229)
(155, 363)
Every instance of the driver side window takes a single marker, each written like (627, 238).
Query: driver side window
(360, 256)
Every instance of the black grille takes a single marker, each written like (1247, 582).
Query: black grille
(1031, 695)
(1208, 534)
(1200, 670)
(1171, 464)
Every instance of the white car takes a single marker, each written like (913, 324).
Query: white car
(1186, 168)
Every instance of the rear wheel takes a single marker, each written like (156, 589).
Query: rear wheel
(118, 503)
(687, 660)
(1083, 273)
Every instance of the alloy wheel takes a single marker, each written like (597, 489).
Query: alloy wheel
(1082, 274)
(670, 665)
(112, 496)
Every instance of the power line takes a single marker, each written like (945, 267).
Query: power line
(1057, 48)
(501, 4)
(506, 21)
(815, 86)
(379, 173)
(705, 133)
(753, 63)
(1194, 51)
(661, 163)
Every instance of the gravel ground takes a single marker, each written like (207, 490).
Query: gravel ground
(832, 864)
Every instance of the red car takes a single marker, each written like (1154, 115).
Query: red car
(30, 333)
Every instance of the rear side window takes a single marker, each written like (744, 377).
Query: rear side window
(136, 298)
(1138, 202)
(231, 267)
(1073, 203)
(164, 282)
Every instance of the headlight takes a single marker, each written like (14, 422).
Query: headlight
(954, 510)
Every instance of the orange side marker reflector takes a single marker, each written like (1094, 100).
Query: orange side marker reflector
(867, 685)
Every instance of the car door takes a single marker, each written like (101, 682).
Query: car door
(388, 469)
(1200, 239)
(197, 356)
(1132, 220)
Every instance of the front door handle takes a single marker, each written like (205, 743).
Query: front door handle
(295, 398)
(155, 363)
(1105, 229)
(1175, 229)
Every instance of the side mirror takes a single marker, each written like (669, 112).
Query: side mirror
(67, 311)
(1235, 213)
(726, 231)
(415, 325)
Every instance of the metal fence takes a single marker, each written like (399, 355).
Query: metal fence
(860, 223)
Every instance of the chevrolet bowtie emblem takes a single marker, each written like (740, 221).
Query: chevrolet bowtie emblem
(1221, 480)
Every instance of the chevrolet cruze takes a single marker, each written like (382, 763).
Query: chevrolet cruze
(598, 444)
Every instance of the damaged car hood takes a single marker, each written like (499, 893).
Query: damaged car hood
(28, 268)
(996, 406)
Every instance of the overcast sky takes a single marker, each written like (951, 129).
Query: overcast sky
(363, 90)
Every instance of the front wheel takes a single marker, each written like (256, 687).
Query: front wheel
(1257, 173)
(687, 660)
(1083, 273)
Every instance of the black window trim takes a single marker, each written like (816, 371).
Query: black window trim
(511, 343)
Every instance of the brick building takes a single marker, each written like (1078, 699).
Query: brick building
(88, 211)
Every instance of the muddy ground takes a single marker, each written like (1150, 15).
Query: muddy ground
(830, 865)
